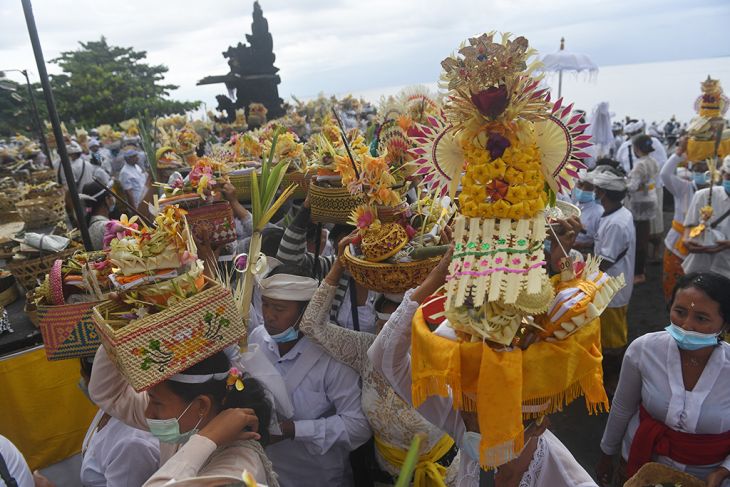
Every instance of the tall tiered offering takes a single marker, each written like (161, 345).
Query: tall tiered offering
(509, 149)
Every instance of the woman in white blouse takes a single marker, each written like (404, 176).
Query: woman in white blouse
(204, 426)
(673, 395)
(393, 421)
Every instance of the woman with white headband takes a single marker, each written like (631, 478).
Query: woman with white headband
(394, 422)
(209, 419)
(323, 422)
(99, 204)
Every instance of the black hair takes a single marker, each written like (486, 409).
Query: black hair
(339, 231)
(87, 364)
(312, 231)
(607, 161)
(92, 189)
(644, 143)
(270, 240)
(253, 395)
(716, 287)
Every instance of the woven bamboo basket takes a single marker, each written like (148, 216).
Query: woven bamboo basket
(30, 308)
(657, 473)
(38, 177)
(68, 330)
(332, 205)
(383, 277)
(215, 219)
(41, 212)
(150, 350)
(242, 183)
(302, 181)
(29, 271)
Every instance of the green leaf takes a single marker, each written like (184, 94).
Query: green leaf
(155, 345)
(409, 465)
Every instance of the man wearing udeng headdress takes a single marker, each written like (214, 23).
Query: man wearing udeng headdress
(323, 421)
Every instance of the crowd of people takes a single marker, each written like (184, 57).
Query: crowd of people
(325, 396)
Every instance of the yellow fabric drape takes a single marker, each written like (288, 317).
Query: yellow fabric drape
(614, 328)
(42, 410)
(679, 245)
(428, 473)
(497, 383)
(699, 150)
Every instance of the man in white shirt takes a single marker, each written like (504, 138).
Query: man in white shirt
(99, 156)
(327, 421)
(133, 179)
(84, 172)
(710, 251)
(616, 245)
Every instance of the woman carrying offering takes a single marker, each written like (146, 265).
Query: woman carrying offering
(674, 390)
(394, 422)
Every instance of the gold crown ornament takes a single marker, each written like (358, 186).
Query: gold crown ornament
(381, 242)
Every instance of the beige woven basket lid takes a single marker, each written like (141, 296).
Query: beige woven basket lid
(652, 474)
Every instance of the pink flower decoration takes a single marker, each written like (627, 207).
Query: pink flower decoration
(498, 260)
(188, 258)
(484, 263)
(467, 264)
(516, 261)
(410, 231)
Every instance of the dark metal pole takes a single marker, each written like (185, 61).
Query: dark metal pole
(55, 122)
(37, 118)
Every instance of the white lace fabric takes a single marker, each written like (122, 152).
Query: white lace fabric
(392, 420)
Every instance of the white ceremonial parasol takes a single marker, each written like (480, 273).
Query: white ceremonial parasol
(563, 60)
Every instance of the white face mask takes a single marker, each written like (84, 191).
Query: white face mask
(470, 444)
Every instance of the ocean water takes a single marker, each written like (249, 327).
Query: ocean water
(649, 91)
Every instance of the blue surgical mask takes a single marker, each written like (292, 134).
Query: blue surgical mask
(168, 430)
(470, 444)
(584, 196)
(726, 185)
(691, 340)
(286, 336)
(700, 178)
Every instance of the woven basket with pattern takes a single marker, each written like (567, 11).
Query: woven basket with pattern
(38, 177)
(383, 277)
(332, 205)
(29, 272)
(68, 330)
(216, 220)
(41, 212)
(242, 183)
(657, 473)
(152, 349)
(302, 181)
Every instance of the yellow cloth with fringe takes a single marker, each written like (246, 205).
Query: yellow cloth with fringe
(42, 410)
(614, 327)
(496, 384)
(427, 473)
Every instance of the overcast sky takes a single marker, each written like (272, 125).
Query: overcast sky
(339, 46)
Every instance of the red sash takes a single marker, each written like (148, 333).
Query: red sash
(654, 437)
